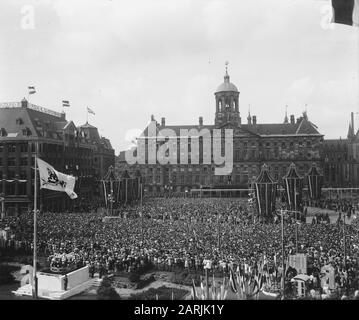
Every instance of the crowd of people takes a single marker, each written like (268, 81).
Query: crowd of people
(183, 232)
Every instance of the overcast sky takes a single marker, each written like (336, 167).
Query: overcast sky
(130, 59)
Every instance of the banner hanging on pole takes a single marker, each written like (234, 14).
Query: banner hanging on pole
(54, 180)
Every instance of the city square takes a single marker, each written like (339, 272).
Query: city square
(260, 203)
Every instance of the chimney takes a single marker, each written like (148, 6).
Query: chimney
(152, 117)
(63, 115)
(254, 118)
(200, 121)
(24, 103)
(292, 119)
(163, 122)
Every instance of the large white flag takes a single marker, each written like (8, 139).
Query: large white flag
(53, 180)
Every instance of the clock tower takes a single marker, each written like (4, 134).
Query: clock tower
(227, 99)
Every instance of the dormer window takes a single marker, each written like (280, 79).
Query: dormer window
(19, 121)
(26, 132)
(3, 132)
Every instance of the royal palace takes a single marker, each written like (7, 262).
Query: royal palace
(292, 140)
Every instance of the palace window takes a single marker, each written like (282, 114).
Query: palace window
(22, 188)
(10, 188)
(11, 147)
(11, 174)
(23, 162)
(11, 162)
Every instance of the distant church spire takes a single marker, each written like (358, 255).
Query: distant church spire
(351, 127)
(249, 118)
(286, 114)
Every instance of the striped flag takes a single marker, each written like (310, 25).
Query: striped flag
(65, 103)
(32, 90)
(346, 12)
(232, 282)
(90, 111)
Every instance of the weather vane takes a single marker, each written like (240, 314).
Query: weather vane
(226, 63)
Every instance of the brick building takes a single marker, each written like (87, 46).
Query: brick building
(27, 130)
(254, 143)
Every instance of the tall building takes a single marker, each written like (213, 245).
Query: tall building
(254, 143)
(341, 160)
(27, 130)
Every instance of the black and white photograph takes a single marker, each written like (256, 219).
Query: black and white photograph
(179, 152)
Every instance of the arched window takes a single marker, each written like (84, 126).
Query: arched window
(227, 102)
(220, 105)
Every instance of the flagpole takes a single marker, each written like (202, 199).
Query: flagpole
(34, 288)
(207, 286)
(283, 271)
(296, 225)
(141, 217)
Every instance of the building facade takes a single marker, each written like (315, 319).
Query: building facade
(27, 130)
(254, 143)
(340, 160)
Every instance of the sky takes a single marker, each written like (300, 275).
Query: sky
(128, 60)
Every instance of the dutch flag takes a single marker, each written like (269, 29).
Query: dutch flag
(90, 111)
(65, 103)
(32, 90)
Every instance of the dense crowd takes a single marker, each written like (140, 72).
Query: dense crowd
(181, 233)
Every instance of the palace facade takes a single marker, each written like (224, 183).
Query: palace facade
(254, 143)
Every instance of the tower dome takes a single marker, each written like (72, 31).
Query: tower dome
(226, 85)
(227, 100)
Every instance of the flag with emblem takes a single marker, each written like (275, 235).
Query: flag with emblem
(54, 180)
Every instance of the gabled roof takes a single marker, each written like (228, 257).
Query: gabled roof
(15, 120)
(303, 127)
(87, 125)
(8, 121)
